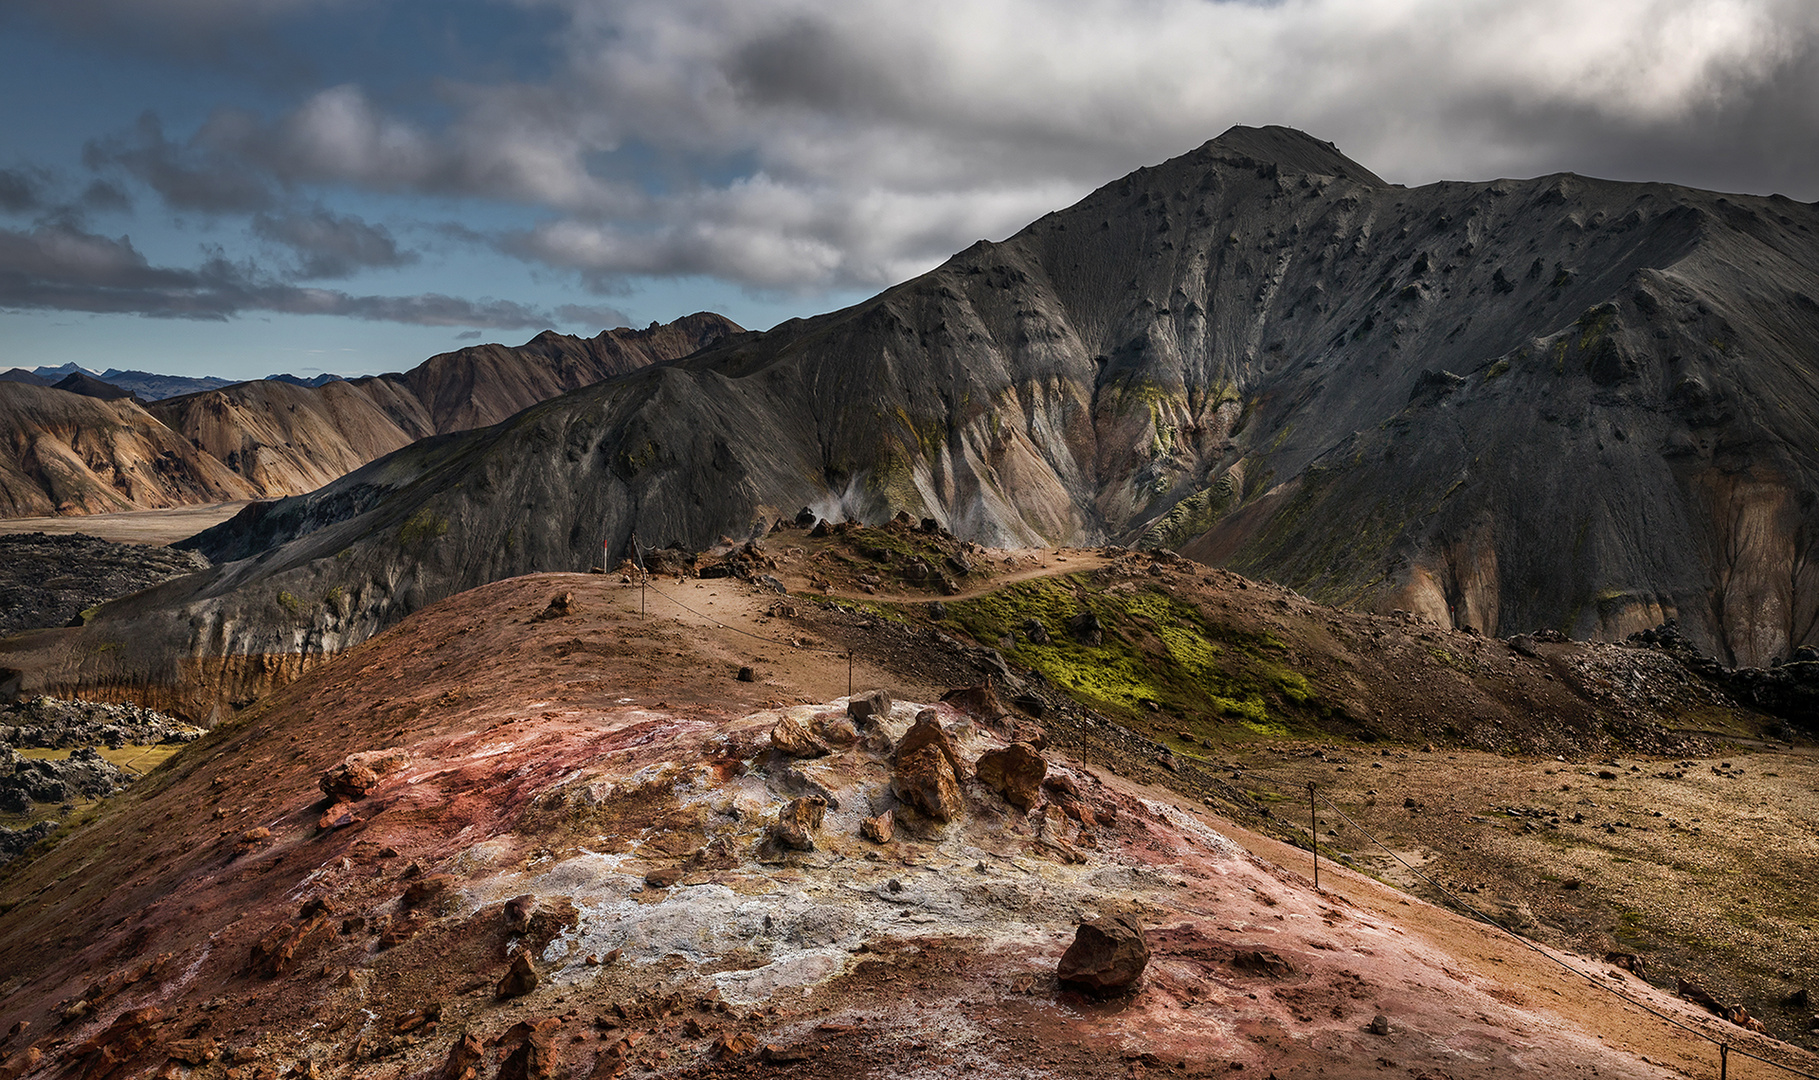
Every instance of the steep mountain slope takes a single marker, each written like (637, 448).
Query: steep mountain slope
(1558, 403)
(283, 438)
(67, 453)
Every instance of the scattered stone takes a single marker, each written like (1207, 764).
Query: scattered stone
(425, 890)
(791, 738)
(1015, 772)
(560, 606)
(1262, 962)
(1524, 644)
(878, 830)
(466, 1056)
(339, 815)
(253, 836)
(518, 912)
(1380, 1025)
(746, 674)
(937, 610)
(871, 707)
(798, 821)
(1107, 957)
(348, 782)
(1799, 999)
(520, 979)
(663, 877)
(735, 1044)
(1034, 632)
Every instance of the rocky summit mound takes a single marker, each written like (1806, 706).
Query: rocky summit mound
(516, 837)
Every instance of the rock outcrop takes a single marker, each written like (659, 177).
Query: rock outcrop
(1107, 956)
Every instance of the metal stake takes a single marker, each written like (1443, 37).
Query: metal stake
(1724, 1060)
(849, 673)
(1313, 821)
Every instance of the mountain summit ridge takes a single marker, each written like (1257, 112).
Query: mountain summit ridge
(1505, 405)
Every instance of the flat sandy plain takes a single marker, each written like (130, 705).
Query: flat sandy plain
(156, 527)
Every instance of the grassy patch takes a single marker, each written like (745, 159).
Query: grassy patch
(421, 528)
(1157, 654)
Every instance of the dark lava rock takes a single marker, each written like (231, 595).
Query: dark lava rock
(1107, 957)
(47, 723)
(871, 707)
(520, 980)
(48, 580)
(1086, 629)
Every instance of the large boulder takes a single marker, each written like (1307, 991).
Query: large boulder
(792, 738)
(925, 780)
(1015, 772)
(1107, 957)
(927, 731)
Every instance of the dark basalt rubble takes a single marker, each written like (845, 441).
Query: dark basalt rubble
(49, 580)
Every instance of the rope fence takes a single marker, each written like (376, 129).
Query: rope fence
(1725, 1049)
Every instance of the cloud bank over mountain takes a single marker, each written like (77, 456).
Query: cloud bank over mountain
(791, 150)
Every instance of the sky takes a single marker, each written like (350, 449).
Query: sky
(243, 187)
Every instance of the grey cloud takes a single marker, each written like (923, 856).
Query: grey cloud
(599, 317)
(855, 144)
(60, 268)
(193, 176)
(22, 190)
(330, 245)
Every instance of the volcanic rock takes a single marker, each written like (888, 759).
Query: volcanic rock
(878, 829)
(520, 979)
(792, 738)
(798, 821)
(1014, 772)
(1107, 957)
(870, 707)
(348, 781)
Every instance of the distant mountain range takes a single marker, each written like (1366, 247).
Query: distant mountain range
(87, 445)
(146, 385)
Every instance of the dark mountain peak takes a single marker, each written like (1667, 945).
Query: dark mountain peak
(80, 382)
(1289, 150)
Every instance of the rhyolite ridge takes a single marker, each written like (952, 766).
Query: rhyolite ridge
(1557, 403)
(90, 446)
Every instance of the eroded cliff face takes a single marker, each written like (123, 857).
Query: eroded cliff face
(63, 453)
(1554, 403)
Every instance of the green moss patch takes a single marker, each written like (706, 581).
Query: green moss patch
(1158, 654)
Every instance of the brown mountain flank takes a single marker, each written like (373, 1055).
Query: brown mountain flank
(268, 438)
